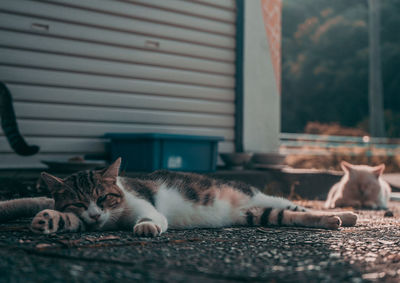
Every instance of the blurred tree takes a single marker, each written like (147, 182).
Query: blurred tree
(375, 92)
(325, 61)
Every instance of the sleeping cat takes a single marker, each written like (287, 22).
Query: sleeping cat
(101, 200)
(360, 187)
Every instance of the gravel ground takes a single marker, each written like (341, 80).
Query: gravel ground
(368, 252)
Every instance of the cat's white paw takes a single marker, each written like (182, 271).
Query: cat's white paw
(46, 222)
(331, 222)
(348, 218)
(147, 229)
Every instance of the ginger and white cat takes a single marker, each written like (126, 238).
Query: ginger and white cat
(101, 200)
(361, 187)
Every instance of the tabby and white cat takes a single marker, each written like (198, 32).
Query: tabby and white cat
(361, 187)
(101, 200)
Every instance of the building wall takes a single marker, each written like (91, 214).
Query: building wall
(80, 68)
(261, 125)
(272, 14)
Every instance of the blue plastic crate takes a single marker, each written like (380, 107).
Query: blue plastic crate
(153, 151)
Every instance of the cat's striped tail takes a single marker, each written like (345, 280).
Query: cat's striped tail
(309, 218)
(10, 127)
(23, 207)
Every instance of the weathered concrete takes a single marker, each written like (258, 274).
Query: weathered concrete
(369, 251)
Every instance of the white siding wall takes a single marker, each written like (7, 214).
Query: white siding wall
(80, 68)
(261, 108)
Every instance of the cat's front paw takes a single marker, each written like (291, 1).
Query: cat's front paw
(331, 222)
(348, 218)
(46, 222)
(147, 229)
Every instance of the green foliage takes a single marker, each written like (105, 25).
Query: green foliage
(325, 61)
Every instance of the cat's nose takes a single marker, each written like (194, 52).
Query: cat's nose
(95, 216)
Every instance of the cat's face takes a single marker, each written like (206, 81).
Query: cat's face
(361, 180)
(91, 195)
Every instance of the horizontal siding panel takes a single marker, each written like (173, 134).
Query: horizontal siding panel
(225, 4)
(161, 16)
(13, 161)
(118, 69)
(107, 114)
(70, 145)
(96, 50)
(32, 127)
(189, 8)
(78, 69)
(19, 75)
(93, 34)
(226, 147)
(66, 145)
(106, 21)
(131, 100)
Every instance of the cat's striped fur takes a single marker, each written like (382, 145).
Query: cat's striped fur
(10, 127)
(100, 200)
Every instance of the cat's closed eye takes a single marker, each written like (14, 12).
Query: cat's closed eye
(109, 199)
(104, 198)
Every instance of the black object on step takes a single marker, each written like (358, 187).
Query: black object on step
(10, 127)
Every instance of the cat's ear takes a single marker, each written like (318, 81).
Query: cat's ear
(378, 170)
(346, 166)
(112, 171)
(53, 183)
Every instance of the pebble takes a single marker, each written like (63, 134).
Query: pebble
(388, 213)
(386, 242)
(334, 255)
(278, 268)
(42, 246)
(372, 276)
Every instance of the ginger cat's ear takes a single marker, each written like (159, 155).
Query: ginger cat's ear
(346, 166)
(378, 170)
(53, 183)
(112, 171)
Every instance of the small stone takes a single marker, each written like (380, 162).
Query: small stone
(394, 258)
(278, 268)
(388, 213)
(391, 272)
(311, 267)
(43, 246)
(386, 242)
(356, 280)
(372, 276)
(323, 263)
(334, 255)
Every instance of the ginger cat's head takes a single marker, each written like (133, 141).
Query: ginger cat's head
(362, 181)
(92, 195)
